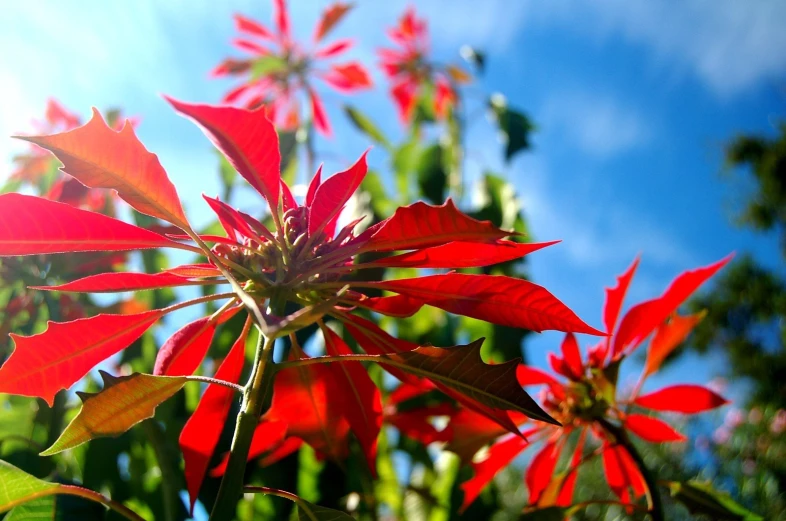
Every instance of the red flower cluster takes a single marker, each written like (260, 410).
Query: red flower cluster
(413, 76)
(280, 68)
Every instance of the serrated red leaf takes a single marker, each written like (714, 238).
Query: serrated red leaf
(202, 431)
(689, 399)
(497, 299)
(99, 157)
(247, 139)
(651, 429)
(541, 469)
(500, 455)
(331, 16)
(119, 281)
(333, 194)
(184, 351)
(459, 254)
(45, 363)
(422, 225)
(31, 225)
(668, 337)
(359, 399)
(642, 319)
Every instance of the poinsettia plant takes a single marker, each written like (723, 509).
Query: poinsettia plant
(283, 279)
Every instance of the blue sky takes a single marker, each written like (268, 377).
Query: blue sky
(633, 101)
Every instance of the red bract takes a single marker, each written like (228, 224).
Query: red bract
(587, 401)
(281, 70)
(411, 73)
(303, 260)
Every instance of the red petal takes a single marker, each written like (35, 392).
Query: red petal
(689, 399)
(313, 186)
(460, 255)
(335, 48)
(421, 225)
(393, 306)
(668, 337)
(118, 281)
(469, 431)
(287, 198)
(359, 399)
(348, 77)
(642, 319)
(182, 354)
(99, 157)
(247, 25)
(559, 366)
(532, 376)
(247, 139)
(43, 364)
(30, 225)
(202, 431)
(321, 121)
(497, 299)
(621, 472)
(500, 456)
(572, 355)
(651, 429)
(330, 17)
(281, 17)
(332, 195)
(541, 470)
(236, 220)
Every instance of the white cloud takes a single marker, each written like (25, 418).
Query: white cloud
(599, 126)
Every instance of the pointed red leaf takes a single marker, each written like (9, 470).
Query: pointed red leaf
(621, 472)
(359, 399)
(421, 225)
(232, 219)
(651, 429)
(393, 306)
(331, 16)
(470, 431)
(268, 436)
(119, 281)
(541, 469)
(321, 121)
(572, 355)
(459, 254)
(559, 366)
(500, 455)
(31, 225)
(249, 26)
(668, 337)
(99, 157)
(184, 351)
(348, 77)
(281, 17)
(195, 270)
(334, 49)
(689, 399)
(527, 375)
(641, 320)
(615, 297)
(287, 198)
(333, 193)
(313, 186)
(247, 139)
(43, 364)
(497, 299)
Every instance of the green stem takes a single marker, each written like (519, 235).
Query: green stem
(257, 395)
(170, 484)
(654, 500)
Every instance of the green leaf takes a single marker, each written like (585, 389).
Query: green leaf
(58, 508)
(432, 176)
(365, 125)
(267, 65)
(124, 402)
(287, 145)
(702, 498)
(514, 125)
(310, 512)
(17, 487)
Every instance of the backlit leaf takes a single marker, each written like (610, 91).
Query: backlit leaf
(689, 399)
(333, 194)
(17, 487)
(541, 470)
(118, 281)
(651, 429)
(124, 402)
(184, 351)
(702, 499)
(331, 16)
(99, 157)
(499, 456)
(668, 337)
(459, 254)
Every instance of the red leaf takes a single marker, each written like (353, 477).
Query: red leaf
(287, 198)
(330, 17)
(334, 49)
(202, 431)
(393, 306)
(500, 456)
(532, 376)
(470, 431)
(235, 220)
(99, 157)
(497, 299)
(621, 472)
(420, 225)
(642, 319)
(281, 17)
(247, 139)
(333, 193)
(249, 26)
(118, 281)
(313, 186)
(668, 337)
(651, 429)
(689, 399)
(195, 270)
(415, 424)
(541, 469)
(348, 77)
(572, 356)
(359, 398)
(321, 121)
(248, 45)
(614, 298)
(184, 351)
(268, 436)
(30, 225)
(459, 254)
(43, 364)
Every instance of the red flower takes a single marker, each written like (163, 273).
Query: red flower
(585, 400)
(412, 75)
(280, 69)
(304, 260)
